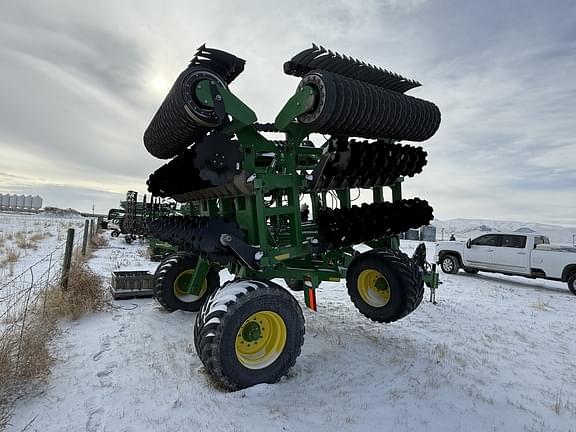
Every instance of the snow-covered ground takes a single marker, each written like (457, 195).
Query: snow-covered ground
(496, 353)
(32, 240)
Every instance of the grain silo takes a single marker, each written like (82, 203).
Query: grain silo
(13, 201)
(28, 202)
(36, 202)
(20, 202)
(4, 201)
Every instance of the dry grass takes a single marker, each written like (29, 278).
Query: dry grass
(36, 237)
(85, 294)
(25, 359)
(541, 305)
(23, 241)
(11, 256)
(99, 241)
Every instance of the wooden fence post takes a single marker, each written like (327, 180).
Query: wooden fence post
(85, 239)
(67, 258)
(91, 228)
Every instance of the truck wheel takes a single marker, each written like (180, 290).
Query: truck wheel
(128, 239)
(385, 285)
(449, 264)
(249, 332)
(572, 283)
(170, 282)
(115, 233)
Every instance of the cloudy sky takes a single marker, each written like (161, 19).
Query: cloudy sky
(79, 82)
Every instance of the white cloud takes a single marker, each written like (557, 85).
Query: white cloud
(76, 94)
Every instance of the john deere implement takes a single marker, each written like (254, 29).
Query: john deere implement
(274, 205)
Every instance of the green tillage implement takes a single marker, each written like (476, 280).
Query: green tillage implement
(250, 192)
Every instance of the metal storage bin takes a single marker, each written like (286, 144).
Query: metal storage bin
(127, 284)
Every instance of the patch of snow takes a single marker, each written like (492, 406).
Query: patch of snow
(496, 353)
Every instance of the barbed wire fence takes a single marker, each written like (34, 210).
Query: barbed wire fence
(24, 295)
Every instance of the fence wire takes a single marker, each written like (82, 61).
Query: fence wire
(21, 295)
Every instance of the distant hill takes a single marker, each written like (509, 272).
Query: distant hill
(466, 228)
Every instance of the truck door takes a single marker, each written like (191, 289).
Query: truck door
(482, 250)
(512, 255)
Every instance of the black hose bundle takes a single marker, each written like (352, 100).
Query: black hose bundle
(346, 227)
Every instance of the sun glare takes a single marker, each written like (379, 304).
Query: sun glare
(159, 84)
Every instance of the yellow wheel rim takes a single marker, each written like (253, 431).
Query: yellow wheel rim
(182, 282)
(374, 288)
(260, 340)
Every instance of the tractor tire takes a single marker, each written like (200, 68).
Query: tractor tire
(449, 264)
(238, 317)
(115, 233)
(172, 274)
(471, 270)
(384, 285)
(168, 259)
(295, 284)
(572, 283)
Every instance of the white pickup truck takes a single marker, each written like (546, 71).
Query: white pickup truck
(529, 255)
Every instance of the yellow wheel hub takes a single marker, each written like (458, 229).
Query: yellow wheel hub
(181, 284)
(374, 288)
(260, 340)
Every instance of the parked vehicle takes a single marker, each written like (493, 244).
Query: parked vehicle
(529, 255)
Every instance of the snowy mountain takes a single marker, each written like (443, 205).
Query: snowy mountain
(466, 228)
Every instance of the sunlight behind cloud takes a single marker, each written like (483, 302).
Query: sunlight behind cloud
(159, 84)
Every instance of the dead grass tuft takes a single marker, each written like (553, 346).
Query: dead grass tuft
(10, 258)
(36, 237)
(12, 255)
(85, 294)
(23, 241)
(541, 305)
(25, 359)
(99, 241)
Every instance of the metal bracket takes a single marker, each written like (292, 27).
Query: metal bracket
(302, 101)
(201, 270)
(249, 255)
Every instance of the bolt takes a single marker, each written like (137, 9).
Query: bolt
(258, 256)
(218, 98)
(205, 101)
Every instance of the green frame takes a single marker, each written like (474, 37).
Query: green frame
(286, 253)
